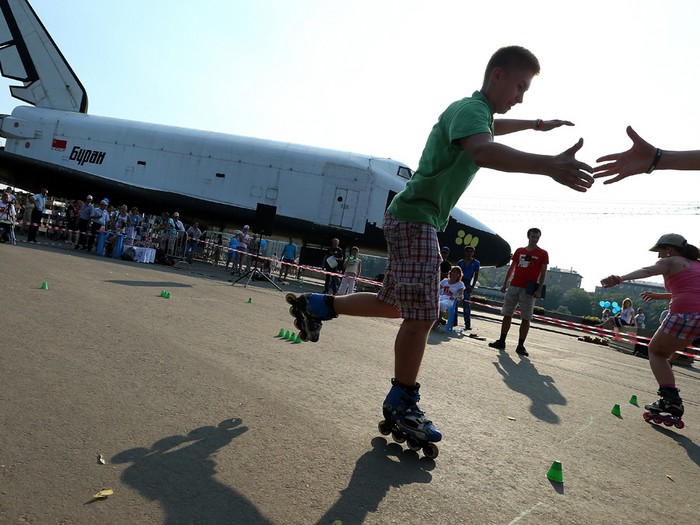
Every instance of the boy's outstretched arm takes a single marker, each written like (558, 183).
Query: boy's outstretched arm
(563, 168)
(503, 126)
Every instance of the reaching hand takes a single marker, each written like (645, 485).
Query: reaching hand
(610, 281)
(635, 160)
(647, 296)
(570, 172)
(548, 125)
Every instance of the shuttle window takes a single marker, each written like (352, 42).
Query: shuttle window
(221, 175)
(141, 162)
(405, 173)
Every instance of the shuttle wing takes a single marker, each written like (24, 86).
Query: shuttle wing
(28, 54)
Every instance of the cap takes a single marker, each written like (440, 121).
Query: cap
(246, 227)
(176, 214)
(444, 249)
(104, 201)
(88, 198)
(670, 239)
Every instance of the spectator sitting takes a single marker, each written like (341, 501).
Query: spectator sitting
(451, 288)
(626, 318)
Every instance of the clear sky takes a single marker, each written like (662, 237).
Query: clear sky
(373, 76)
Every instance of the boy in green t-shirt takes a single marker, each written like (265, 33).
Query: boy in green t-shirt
(459, 144)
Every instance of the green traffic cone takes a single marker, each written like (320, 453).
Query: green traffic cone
(167, 295)
(616, 411)
(555, 473)
(281, 334)
(297, 340)
(633, 400)
(44, 285)
(293, 337)
(287, 334)
(250, 300)
(163, 293)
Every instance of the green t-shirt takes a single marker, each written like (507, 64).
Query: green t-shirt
(445, 169)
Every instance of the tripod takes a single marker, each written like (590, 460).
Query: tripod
(254, 273)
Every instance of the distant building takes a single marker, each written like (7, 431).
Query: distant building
(564, 279)
(631, 289)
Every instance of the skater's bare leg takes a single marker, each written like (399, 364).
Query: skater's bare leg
(409, 349)
(411, 339)
(364, 304)
(661, 347)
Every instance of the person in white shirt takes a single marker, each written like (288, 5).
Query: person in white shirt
(353, 268)
(451, 288)
(7, 219)
(640, 319)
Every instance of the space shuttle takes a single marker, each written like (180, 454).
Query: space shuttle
(218, 179)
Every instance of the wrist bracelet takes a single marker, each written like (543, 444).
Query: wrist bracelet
(538, 124)
(657, 157)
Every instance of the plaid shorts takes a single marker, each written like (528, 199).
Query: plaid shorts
(412, 277)
(682, 326)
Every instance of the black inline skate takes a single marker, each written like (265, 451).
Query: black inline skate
(667, 410)
(309, 310)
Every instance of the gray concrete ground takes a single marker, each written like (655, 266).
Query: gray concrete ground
(204, 416)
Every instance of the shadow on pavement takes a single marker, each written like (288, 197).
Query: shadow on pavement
(523, 377)
(387, 465)
(688, 444)
(153, 284)
(178, 472)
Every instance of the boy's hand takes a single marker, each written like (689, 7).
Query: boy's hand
(570, 172)
(548, 125)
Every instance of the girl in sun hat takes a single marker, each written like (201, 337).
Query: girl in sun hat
(679, 264)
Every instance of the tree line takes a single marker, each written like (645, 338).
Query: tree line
(577, 301)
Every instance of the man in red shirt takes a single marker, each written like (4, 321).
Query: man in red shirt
(526, 277)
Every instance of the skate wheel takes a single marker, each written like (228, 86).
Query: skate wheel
(657, 419)
(399, 437)
(679, 424)
(414, 444)
(384, 428)
(647, 416)
(291, 299)
(431, 451)
(668, 422)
